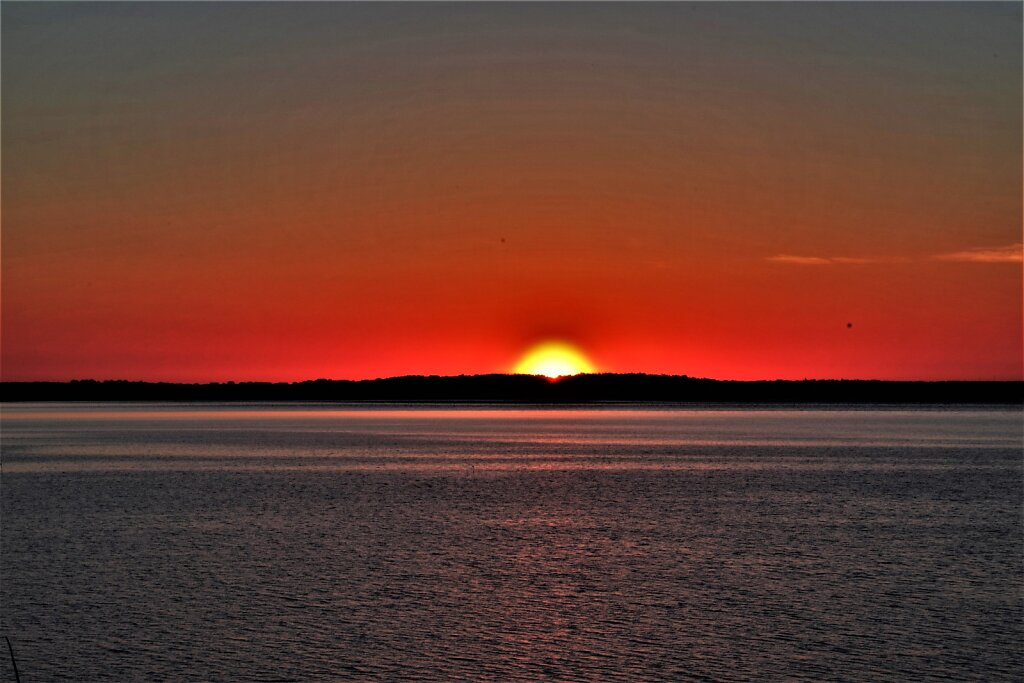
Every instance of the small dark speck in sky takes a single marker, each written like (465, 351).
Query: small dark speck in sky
(849, 325)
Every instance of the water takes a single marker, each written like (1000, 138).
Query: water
(303, 543)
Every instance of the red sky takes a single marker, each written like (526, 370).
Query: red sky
(291, 191)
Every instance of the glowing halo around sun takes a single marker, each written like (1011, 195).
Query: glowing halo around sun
(552, 360)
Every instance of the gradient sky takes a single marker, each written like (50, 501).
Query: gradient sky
(284, 191)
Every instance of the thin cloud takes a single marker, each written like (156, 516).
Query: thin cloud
(828, 260)
(1012, 253)
(801, 260)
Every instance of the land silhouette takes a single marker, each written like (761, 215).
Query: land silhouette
(502, 388)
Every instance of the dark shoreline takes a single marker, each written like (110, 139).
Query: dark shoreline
(581, 389)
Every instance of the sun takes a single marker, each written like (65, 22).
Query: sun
(553, 359)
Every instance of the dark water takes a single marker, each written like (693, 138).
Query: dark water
(295, 544)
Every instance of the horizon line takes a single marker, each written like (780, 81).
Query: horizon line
(491, 375)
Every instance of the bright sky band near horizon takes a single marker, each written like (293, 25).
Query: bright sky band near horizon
(287, 191)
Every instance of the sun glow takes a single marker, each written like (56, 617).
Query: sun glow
(553, 359)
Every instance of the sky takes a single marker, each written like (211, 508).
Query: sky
(289, 191)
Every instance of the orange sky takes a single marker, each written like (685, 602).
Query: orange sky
(291, 191)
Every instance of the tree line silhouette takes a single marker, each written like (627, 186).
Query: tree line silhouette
(500, 388)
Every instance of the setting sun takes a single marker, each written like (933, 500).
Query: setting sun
(553, 359)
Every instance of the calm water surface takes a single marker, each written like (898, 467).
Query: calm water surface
(302, 543)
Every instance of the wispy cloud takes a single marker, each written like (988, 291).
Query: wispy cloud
(1012, 253)
(828, 260)
(801, 260)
